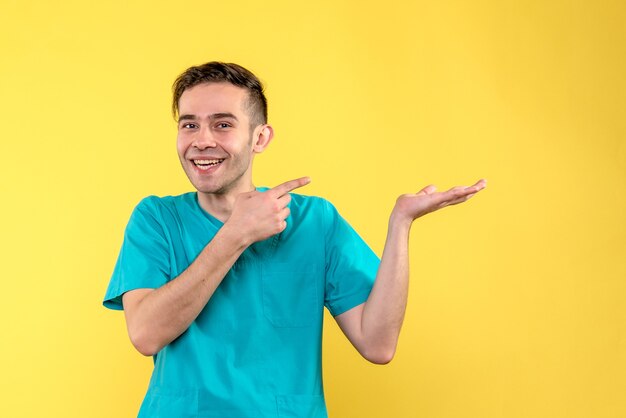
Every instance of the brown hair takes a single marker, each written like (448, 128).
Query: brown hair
(220, 72)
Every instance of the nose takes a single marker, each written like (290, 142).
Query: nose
(204, 139)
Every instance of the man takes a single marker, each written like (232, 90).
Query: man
(226, 286)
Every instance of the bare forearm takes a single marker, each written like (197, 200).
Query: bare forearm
(157, 317)
(384, 310)
(163, 314)
(374, 326)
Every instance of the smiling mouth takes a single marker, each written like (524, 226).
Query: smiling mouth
(207, 164)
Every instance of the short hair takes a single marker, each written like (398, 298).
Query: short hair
(220, 72)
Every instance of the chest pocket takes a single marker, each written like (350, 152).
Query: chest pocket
(291, 294)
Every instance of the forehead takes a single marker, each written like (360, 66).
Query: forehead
(210, 98)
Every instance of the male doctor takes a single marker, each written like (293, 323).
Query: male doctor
(225, 286)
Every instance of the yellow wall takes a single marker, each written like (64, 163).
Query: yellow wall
(517, 300)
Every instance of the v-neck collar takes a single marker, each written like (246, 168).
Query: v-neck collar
(265, 248)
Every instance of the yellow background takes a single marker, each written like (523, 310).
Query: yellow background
(517, 300)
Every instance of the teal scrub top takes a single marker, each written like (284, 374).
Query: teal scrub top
(255, 349)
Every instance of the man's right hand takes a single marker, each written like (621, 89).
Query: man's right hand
(260, 215)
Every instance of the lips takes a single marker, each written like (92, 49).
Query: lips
(206, 164)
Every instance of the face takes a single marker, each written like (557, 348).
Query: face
(215, 141)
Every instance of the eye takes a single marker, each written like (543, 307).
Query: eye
(188, 125)
(223, 125)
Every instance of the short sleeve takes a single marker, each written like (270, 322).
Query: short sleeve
(144, 259)
(351, 265)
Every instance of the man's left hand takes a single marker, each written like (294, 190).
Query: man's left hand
(411, 206)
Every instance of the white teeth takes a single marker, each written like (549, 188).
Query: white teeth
(206, 163)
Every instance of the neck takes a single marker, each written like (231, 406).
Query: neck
(220, 204)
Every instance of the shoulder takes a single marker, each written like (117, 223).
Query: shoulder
(311, 204)
(316, 211)
(306, 199)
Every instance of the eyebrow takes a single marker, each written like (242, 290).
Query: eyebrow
(220, 115)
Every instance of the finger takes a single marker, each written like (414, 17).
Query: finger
(290, 185)
(444, 198)
(479, 185)
(457, 201)
(459, 192)
(284, 213)
(456, 194)
(427, 190)
(284, 200)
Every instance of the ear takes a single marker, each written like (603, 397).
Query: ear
(263, 135)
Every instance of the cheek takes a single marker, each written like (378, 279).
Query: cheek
(181, 146)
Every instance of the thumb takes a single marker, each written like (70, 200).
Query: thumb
(427, 190)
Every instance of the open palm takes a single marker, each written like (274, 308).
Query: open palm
(429, 200)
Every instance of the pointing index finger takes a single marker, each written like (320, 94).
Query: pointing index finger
(288, 186)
